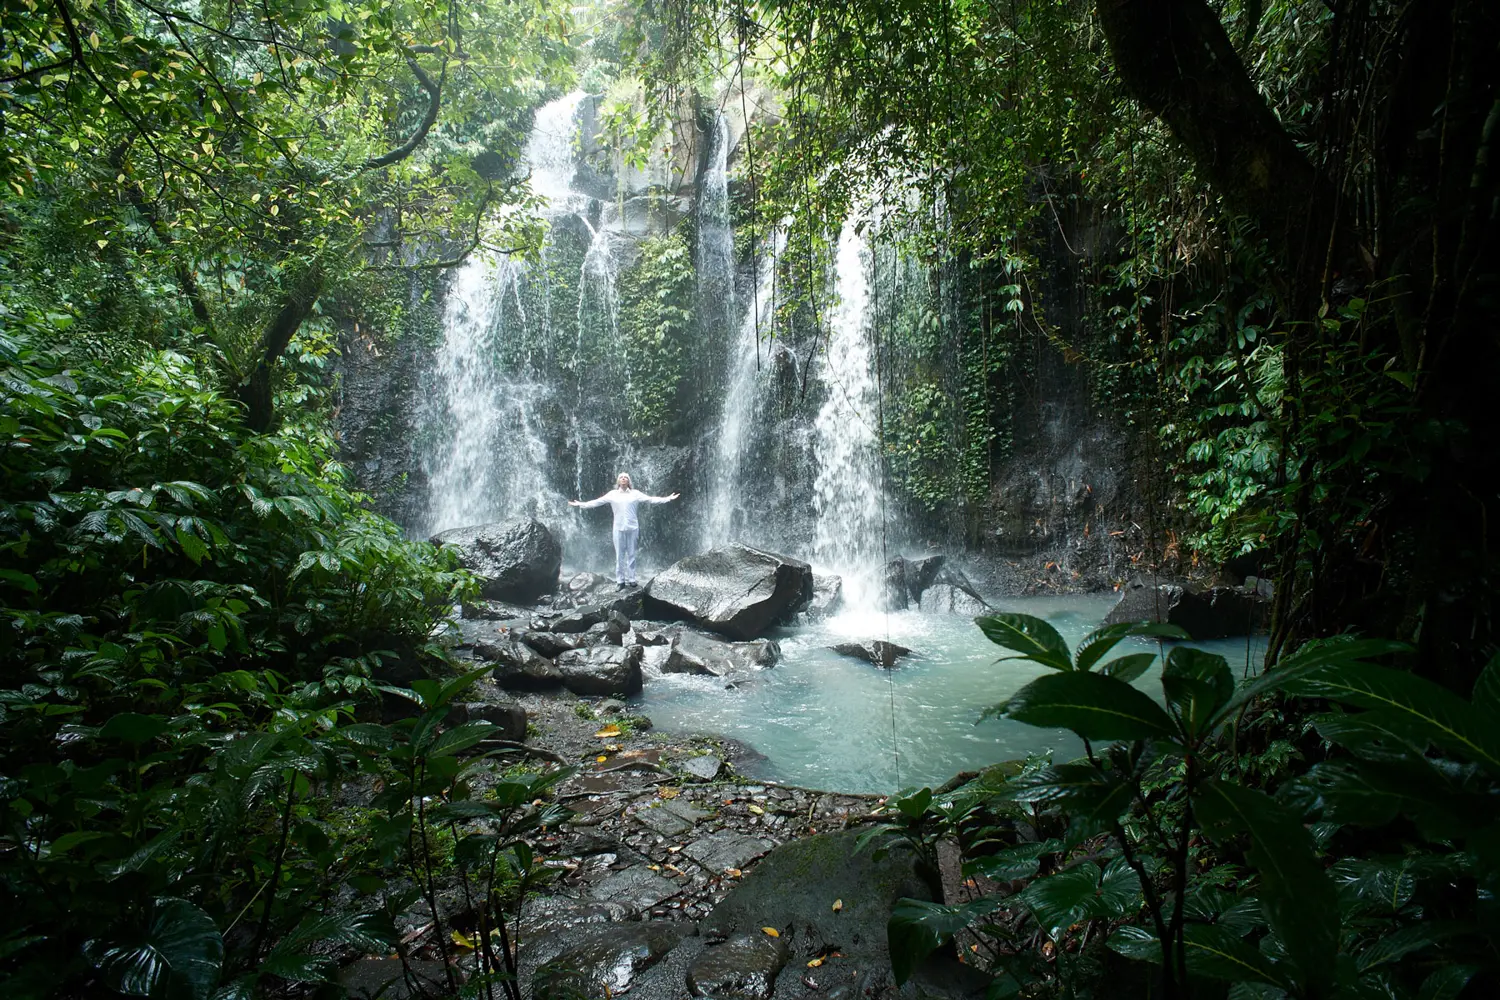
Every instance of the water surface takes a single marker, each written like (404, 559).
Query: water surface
(838, 723)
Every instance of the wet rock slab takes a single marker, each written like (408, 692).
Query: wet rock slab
(705, 768)
(604, 960)
(636, 889)
(722, 851)
(745, 966)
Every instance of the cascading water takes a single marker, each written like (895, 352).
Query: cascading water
(847, 495)
(736, 421)
(490, 459)
(486, 415)
(715, 250)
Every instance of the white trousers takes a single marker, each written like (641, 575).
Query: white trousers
(625, 539)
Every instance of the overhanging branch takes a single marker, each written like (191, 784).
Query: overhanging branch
(435, 101)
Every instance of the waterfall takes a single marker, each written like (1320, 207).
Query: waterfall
(847, 488)
(489, 459)
(737, 418)
(485, 467)
(715, 251)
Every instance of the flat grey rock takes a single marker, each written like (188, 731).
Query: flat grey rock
(636, 889)
(659, 819)
(726, 849)
(706, 767)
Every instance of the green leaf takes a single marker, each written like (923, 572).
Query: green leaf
(1128, 668)
(918, 928)
(1298, 897)
(1092, 705)
(1419, 704)
(1100, 641)
(1213, 951)
(1447, 982)
(180, 949)
(1059, 901)
(461, 738)
(1021, 861)
(1196, 684)
(1397, 944)
(1486, 697)
(1033, 638)
(1312, 656)
(132, 727)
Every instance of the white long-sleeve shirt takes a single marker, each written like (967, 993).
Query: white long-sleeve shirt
(623, 503)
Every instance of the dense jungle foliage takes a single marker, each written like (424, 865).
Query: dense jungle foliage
(1265, 228)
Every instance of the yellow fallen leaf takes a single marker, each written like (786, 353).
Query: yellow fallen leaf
(655, 868)
(608, 731)
(815, 963)
(462, 941)
(733, 872)
(773, 932)
(757, 810)
(669, 793)
(601, 758)
(612, 747)
(838, 904)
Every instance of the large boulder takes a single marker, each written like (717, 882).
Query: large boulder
(509, 717)
(1212, 613)
(518, 667)
(612, 670)
(735, 590)
(693, 653)
(828, 595)
(518, 560)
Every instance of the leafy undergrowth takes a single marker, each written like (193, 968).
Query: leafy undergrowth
(1341, 843)
(197, 624)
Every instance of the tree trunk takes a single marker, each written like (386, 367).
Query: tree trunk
(258, 391)
(1175, 58)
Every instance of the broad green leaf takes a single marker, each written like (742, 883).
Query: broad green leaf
(1021, 861)
(1196, 685)
(132, 727)
(179, 949)
(1447, 982)
(1092, 705)
(918, 928)
(1439, 714)
(1212, 951)
(461, 738)
(1374, 735)
(1365, 793)
(1486, 697)
(1083, 893)
(1298, 897)
(1128, 668)
(1397, 944)
(1100, 641)
(1033, 638)
(1313, 656)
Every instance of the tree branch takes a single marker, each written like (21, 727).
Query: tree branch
(435, 101)
(1175, 58)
